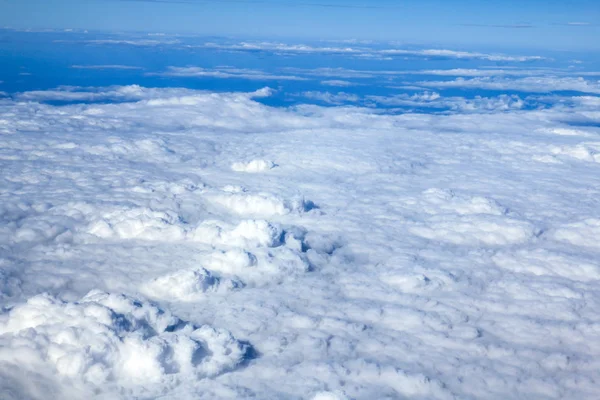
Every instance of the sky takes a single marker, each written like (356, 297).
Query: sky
(257, 210)
(531, 24)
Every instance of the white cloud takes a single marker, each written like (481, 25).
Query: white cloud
(106, 337)
(456, 104)
(458, 54)
(285, 48)
(401, 255)
(81, 94)
(418, 99)
(338, 83)
(431, 100)
(226, 72)
(253, 166)
(121, 93)
(337, 72)
(328, 97)
(459, 72)
(124, 67)
(130, 42)
(539, 84)
(281, 47)
(486, 72)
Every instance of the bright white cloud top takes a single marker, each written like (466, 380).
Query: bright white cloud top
(187, 244)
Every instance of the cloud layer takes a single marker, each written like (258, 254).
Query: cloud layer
(196, 244)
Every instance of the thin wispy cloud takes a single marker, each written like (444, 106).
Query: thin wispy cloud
(338, 83)
(444, 53)
(119, 67)
(354, 49)
(338, 98)
(225, 73)
(130, 42)
(341, 76)
(506, 26)
(534, 84)
(284, 48)
(580, 24)
(261, 2)
(527, 25)
(293, 49)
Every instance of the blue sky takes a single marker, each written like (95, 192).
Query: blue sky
(508, 23)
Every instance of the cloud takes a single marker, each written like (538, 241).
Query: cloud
(344, 73)
(140, 258)
(81, 94)
(123, 67)
(267, 3)
(284, 48)
(486, 72)
(225, 73)
(478, 104)
(110, 334)
(338, 83)
(130, 42)
(280, 48)
(405, 99)
(329, 98)
(442, 53)
(351, 48)
(576, 24)
(538, 84)
(506, 26)
(431, 100)
(115, 93)
(526, 25)
(329, 72)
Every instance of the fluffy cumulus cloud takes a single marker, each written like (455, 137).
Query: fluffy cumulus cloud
(423, 100)
(171, 243)
(105, 338)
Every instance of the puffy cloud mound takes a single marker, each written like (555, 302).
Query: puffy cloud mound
(105, 338)
(253, 166)
(259, 204)
(188, 285)
(248, 233)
